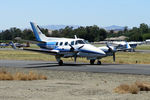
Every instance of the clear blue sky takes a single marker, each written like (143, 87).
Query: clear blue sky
(18, 13)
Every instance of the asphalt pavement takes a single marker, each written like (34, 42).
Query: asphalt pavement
(143, 69)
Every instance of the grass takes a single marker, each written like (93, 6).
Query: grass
(4, 75)
(125, 88)
(129, 58)
(143, 47)
(133, 88)
(121, 57)
(34, 46)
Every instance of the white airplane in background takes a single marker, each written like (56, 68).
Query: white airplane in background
(67, 47)
(147, 41)
(126, 46)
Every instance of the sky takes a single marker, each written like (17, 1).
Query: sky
(18, 13)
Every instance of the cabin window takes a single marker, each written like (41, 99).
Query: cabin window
(61, 43)
(56, 43)
(66, 43)
(76, 42)
(72, 42)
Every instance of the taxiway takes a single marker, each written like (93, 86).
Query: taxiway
(143, 69)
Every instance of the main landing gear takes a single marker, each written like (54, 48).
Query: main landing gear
(60, 62)
(92, 62)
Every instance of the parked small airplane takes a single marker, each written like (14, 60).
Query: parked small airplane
(147, 41)
(3, 45)
(68, 47)
(126, 46)
(19, 45)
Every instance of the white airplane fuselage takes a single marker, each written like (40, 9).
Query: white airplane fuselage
(62, 46)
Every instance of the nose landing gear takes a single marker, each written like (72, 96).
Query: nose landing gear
(99, 62)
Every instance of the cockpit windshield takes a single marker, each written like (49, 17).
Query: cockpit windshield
(86, 42)
(81, 42)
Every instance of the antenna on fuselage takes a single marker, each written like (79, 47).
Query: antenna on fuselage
(75, 36)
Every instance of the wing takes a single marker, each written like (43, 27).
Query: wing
(45, 51)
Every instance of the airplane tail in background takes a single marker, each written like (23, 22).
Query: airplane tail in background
(37, 32)
(12, 44)
(128, 46)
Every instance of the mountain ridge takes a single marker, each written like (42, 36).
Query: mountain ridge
(57, 27)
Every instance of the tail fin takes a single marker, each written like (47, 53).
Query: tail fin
(12, 44)
(128, 46)
(37, 32)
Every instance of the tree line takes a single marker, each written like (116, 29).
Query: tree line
(135, 34)
(90, 33)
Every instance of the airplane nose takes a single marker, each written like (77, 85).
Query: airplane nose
(101, 53)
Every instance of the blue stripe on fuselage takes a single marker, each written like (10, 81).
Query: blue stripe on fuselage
(35, 32)
(81, 50)
(47, 45)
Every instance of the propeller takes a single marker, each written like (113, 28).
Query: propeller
(72, 49)
(111, 50)
(114, 57)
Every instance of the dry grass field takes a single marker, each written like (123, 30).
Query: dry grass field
(69, 85)
(133, 88)
(4, 75)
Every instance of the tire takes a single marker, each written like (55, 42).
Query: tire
(92, 62)
(99, 62)
(60, 63)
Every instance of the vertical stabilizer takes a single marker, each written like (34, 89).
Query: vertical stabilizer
(128, 46)
(12, 44)
(37, 32)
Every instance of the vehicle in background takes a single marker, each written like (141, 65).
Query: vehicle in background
(19, 45)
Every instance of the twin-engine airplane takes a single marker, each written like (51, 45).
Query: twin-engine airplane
(126, 46)
(67, 47)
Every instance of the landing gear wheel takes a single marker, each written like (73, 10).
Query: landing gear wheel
(92, 62)
(99, 62)
(60, 62)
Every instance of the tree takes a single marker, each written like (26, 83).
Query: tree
(125, 29)
(28, 35)
(143, 28)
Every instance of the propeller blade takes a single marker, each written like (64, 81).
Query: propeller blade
(75, 58)
(109, 48)
(81, 47)
(114, 57)
(72, 48)
(107, 45)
